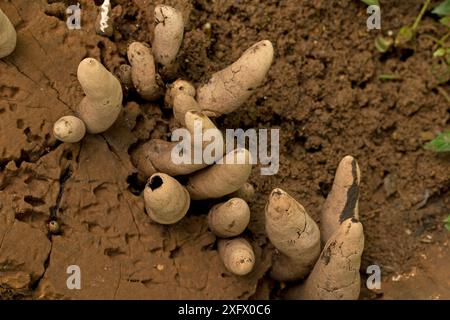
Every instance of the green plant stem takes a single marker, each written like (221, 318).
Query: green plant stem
(437, 41)
(387, 77)
(441, 41)
(419, 17)
(445, 37)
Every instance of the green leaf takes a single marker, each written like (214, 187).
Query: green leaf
(445, 21)
(404, 35)
(440, 144)
(371, 2)
(447, 223)
(387, 77)
(440, 52)
(383, 44)
(443, 9)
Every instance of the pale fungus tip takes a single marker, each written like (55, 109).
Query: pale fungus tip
(69, 129)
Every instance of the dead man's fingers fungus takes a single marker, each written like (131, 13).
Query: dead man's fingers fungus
(193, 119)
(168, 34)
(237, 255)
(342, 202)
(8, 36)
(179, 86)
(221, 178)
(156, 156)
(336, 274)
(182, 103)
(69, 129)
(102, 104)
(295, 236)
(246, 192)
(231, 87)
(124, 75)
(166, 200)
(143, 71)
(229, 219)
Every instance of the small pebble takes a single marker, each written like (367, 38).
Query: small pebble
(207, 26)
(53, 227)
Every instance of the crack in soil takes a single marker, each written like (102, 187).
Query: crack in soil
(67, 173)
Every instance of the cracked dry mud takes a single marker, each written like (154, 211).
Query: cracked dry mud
(322, 93)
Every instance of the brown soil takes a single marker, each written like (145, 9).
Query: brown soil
(323, 93)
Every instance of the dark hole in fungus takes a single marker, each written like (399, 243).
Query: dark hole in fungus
(352, 196)
(135, 184)
(277, 193)
(155, 183)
